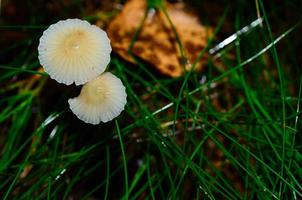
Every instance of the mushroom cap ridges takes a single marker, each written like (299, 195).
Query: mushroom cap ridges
(74, 51)
(101, 99)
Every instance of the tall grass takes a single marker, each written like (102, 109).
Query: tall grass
(229, 132)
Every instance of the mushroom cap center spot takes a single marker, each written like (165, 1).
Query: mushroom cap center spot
(95, 93)
(74, 41)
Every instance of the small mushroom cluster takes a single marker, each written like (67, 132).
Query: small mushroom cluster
(74, 51)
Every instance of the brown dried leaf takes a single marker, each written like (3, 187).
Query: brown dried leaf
(26, 171)
(156, 42)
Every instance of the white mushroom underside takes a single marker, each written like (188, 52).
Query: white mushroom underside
(101, 99)
(73, 50)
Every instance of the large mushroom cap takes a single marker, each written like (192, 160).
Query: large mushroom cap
(73, 50)
(101, 99)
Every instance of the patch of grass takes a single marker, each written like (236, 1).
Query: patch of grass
(229, 132)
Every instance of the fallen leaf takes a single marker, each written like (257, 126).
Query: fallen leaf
(26, 171)
(156, 42)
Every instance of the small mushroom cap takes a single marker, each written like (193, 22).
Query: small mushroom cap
(101, 99)
(73, 50)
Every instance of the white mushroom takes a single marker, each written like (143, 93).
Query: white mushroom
(101, 99)
(73, 50)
